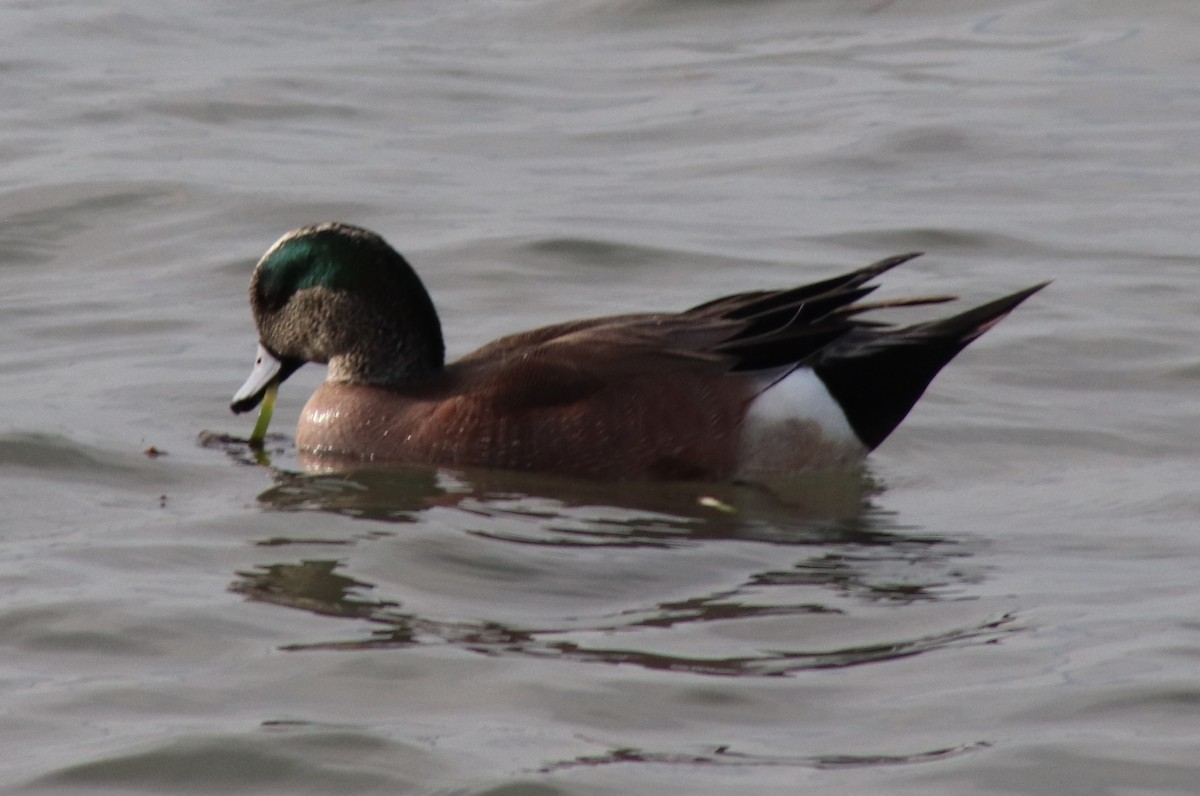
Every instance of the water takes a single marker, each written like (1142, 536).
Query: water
(1003, 601)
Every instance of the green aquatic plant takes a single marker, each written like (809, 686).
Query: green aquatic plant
(264, 417)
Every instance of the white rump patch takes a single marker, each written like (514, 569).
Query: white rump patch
(797, 425)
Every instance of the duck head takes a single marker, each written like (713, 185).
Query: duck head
(339, 295)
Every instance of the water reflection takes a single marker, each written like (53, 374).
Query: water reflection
(814, 506)
(842, 550)
(725, 756)
(312, 586)
(822, 503)
(316, 586)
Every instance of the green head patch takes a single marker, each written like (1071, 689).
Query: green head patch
(334, 257)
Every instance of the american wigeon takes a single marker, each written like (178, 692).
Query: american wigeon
(754, 383)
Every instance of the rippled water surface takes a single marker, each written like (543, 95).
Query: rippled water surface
(1004, 600)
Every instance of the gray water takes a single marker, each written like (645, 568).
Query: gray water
(1003, 601)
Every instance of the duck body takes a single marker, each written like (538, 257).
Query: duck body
(758, 383)
(554, 405)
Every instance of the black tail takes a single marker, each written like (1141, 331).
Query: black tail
(877, 375)
(759, 302)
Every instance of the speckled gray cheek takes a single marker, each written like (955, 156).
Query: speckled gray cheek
(346, 332)
(312, 325)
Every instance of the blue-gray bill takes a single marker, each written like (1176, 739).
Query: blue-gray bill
(262, 386)
(268, 370)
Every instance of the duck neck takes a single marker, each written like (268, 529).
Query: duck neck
(392, 355)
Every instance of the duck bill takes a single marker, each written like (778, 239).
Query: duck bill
(268, 370)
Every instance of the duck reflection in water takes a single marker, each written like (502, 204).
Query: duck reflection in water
(841, 553)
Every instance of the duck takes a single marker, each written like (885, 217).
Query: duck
(759, 383)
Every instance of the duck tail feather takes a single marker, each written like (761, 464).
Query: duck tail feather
(742, 306)
(877, 374)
